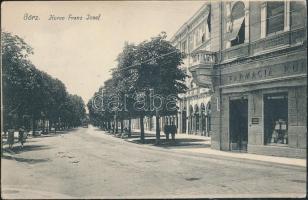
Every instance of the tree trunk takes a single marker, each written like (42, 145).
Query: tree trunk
(129, 127)
(157, 128)
(122, 125)
(116, 125)
(33, 125)
(141, 129)
(43, 127)
(113, 127)
(54, 124)
(48, 124)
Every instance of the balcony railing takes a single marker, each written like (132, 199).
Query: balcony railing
(203, 57)
(236, 52)
(269, 43)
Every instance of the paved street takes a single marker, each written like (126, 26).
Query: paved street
(86, 163)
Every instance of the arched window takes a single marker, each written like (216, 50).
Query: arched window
(238, 23)
(202, 108)
(191, 110)
(196, 109)
(238, 10)
(274, 17)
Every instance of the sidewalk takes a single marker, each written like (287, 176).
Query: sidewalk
(201, 144)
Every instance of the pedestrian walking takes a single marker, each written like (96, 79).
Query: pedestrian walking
(21, 137)
(10, 138)
(167, 131)
(173, 132)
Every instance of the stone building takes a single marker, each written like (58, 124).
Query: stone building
(194, 38)
(254, 64)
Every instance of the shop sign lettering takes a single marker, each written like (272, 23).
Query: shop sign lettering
(295, 67)
(277, 70)
(251, 75)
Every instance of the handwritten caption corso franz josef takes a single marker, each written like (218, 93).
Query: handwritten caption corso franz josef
(69, 17)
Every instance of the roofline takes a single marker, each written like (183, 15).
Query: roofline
(189, 21)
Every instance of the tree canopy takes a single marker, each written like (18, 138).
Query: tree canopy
(32, 93)
(149, 68)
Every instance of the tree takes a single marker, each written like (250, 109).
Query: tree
(150, 66)
(31, 93)
(159, 70)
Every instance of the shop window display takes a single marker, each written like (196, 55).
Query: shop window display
(276, 119)
(280, 134)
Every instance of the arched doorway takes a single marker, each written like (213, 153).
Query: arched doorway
(203, 120)
(197, 120)
(190, 120)
(184, 120)
(208, 116)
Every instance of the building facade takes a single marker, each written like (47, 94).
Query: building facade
(252, 62)
(194, 116)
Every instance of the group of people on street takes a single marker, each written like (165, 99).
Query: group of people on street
(22, 135)
(170, 129)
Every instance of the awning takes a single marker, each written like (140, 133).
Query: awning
(237, 23)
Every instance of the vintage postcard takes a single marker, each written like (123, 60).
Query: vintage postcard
(153, 99)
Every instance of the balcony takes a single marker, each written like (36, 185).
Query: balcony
(238, 51)
(264, 45)
(284, 39)
(201, 69)
(203, 57)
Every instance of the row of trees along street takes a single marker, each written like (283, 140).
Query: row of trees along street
(31, 97)
(151, 66)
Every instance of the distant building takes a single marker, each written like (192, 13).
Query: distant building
(251, 58)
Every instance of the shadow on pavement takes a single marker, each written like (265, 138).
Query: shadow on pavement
(98, 129)
(150, 139)
(18, 149)
(26, 160)
(53, 134)
(179, 143)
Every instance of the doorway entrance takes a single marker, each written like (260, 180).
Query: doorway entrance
(276, 119)
(184, 119)
(238, 125)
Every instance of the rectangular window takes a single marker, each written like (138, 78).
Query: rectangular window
(209, 22)
(203, 37)
(184, 47)
(197, 37)
(191, 42)
(298, 14)
(275, 17)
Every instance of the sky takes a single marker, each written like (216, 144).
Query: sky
(81, 52)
